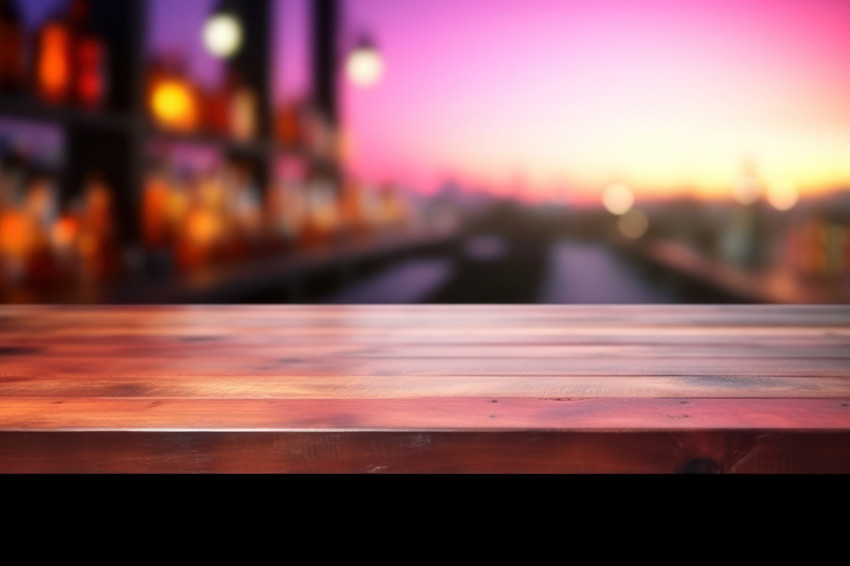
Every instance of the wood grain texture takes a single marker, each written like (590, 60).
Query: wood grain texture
(425, 389)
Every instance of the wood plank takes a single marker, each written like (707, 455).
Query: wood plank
(263, 343)
(417, 389)
(425, 414)
(446, 315)
(153, 386)
(417, 452)
(271, 368)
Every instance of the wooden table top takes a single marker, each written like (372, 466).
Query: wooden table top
(369, 389)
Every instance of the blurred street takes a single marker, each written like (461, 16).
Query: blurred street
(493, 269)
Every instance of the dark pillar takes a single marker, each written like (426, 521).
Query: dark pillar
(253, 61)
(326, 23)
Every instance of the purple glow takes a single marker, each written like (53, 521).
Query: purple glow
(292, 50)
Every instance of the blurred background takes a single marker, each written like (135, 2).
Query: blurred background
(448, 151)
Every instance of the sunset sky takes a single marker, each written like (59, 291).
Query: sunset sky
(569, 96)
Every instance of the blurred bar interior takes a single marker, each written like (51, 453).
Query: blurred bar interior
(377, 151)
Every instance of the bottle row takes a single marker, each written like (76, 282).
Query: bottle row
(201, 216)
(232, 109)
(194, 213)
(819, 249)
(63, 62)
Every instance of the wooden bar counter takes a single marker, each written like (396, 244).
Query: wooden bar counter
(426, 389)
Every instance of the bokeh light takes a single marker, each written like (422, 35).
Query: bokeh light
(223, 35)
(633, 224)
(173, 105)
(618, 199)
(365, 66)
(783, 196)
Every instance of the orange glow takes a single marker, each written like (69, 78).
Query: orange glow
(154, 208)
(18, 234)
(176, 207)
(203, 228)
(87, 246)
(54, 65)
(99, 208)
(200, 233)
(64, 232)
(174, 105)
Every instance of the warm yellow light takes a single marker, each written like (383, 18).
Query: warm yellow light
(223, 35)
(618, 199)
(173, 105)
(203, 228)
(633, 224)
(365, 66)
(783, 196)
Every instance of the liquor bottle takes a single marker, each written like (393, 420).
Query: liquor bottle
(199, 235)
(350, 211)
(11, 47)
(63, 240)
(245, 205)
(42, 201)
(19, 228)
(286, 203)
(289, 126)
(155, 223)
(90, 80)
(243, 108)
(41, 207)
(96, 240)
(217, 111)
(54, 60)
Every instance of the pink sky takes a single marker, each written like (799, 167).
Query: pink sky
(666, 95)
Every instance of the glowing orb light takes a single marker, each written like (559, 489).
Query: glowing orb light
(365, 65)
(223, 35)
(618, 199)
(783, 196)
(173, 105)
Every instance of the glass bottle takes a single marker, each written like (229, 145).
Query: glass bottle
(89, 58)
(54, 61)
